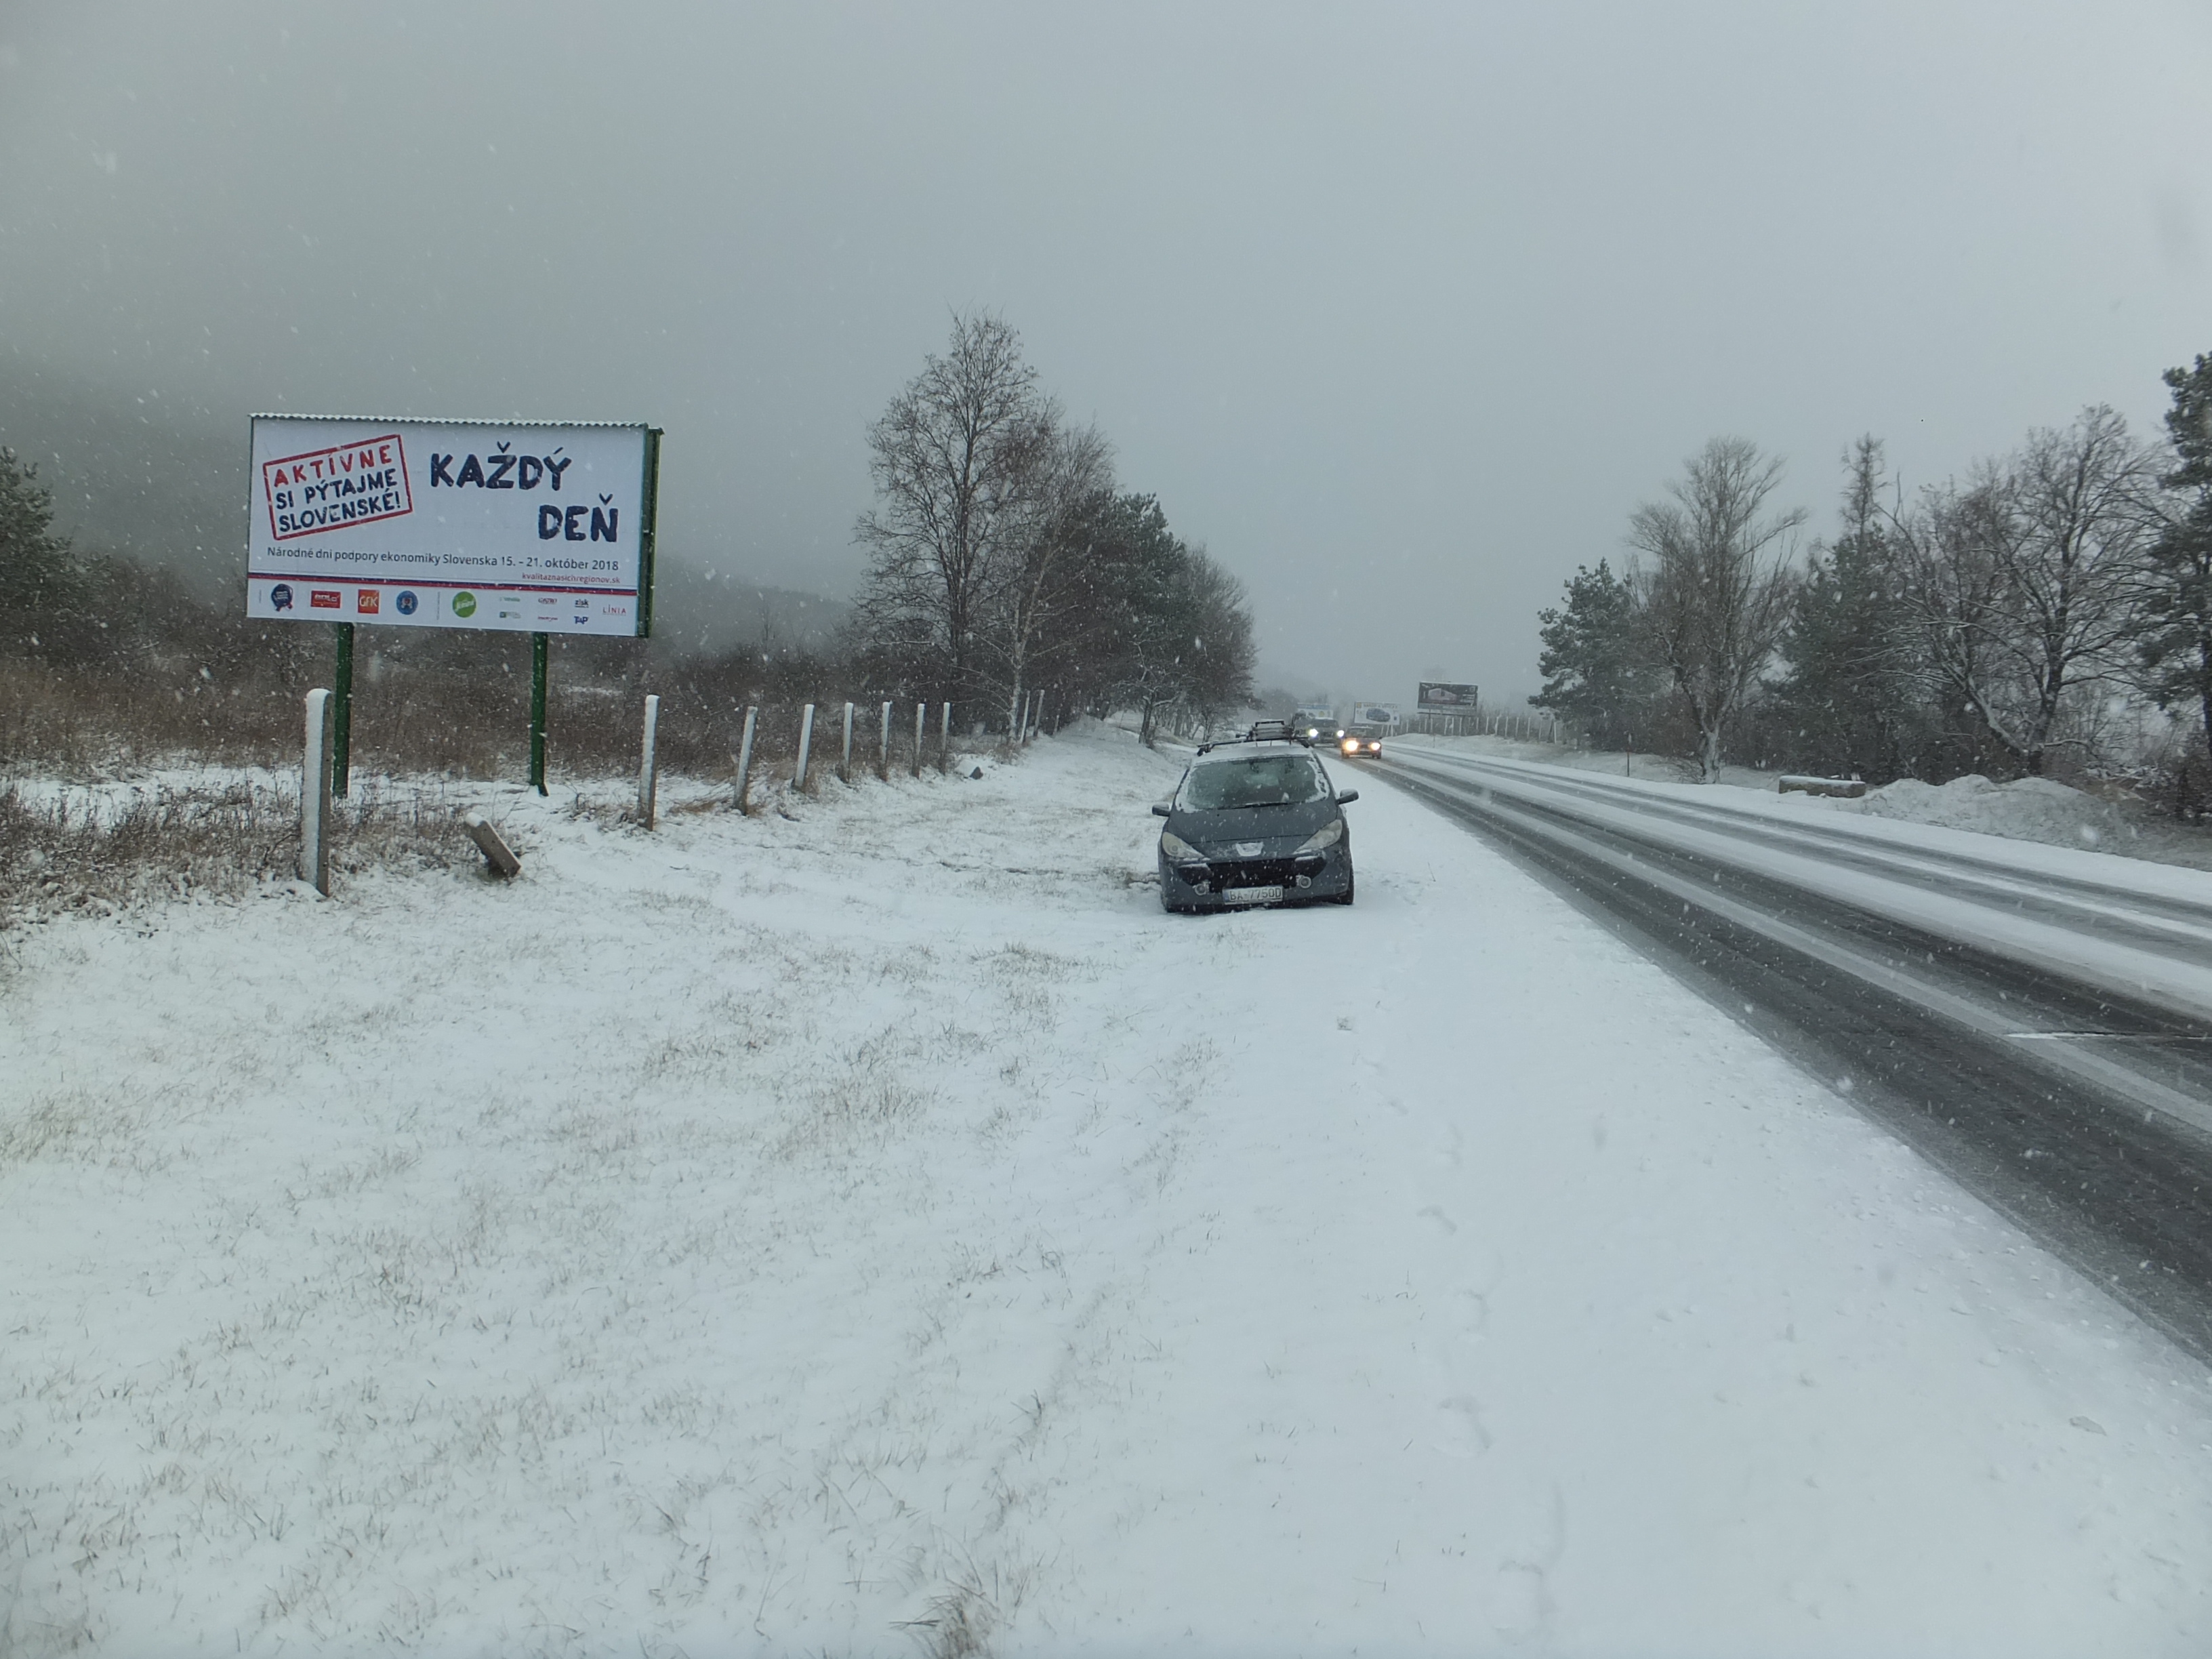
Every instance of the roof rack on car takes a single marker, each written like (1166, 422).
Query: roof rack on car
(1259, 731)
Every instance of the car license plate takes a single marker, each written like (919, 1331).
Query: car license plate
(1251, 895)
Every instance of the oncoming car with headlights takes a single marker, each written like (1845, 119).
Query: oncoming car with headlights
(1254, 821)
(1361, 743)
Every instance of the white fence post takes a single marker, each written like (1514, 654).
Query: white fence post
(315, 794)
(845, 764)
(806, 743)
(745, 757)
(921, 727)
(884, 761)
(944, 737)
(648, 779)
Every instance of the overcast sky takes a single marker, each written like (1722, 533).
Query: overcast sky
(1399, 310)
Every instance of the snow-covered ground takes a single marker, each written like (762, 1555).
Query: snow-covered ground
(881, 1228)
(2039, 809)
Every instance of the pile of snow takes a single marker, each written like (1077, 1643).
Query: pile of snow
(2029, 809)
(874, 1226)
(2039, 810)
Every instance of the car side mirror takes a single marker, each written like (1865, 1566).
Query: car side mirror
(1346, 797)
(1162, 808)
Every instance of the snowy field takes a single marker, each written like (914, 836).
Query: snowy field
(874, 1227)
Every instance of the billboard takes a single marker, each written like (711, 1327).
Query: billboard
(523, 526)
(1375, 714)
(1439, 696)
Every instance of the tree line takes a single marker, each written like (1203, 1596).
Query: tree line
(2051, 605)
(1004, 557)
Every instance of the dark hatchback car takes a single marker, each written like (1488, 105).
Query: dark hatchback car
(1255, 822)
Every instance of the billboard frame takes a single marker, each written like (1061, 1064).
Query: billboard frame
(648, 524)
(1451, 705)
(648, 507)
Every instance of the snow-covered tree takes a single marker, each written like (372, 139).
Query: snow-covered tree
(1714, 595)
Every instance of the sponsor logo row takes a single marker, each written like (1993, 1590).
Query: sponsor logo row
(551, 609)
(366, 601)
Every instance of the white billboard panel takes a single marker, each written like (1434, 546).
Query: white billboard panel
(527, 526)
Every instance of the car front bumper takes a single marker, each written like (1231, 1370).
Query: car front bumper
(1304, 879)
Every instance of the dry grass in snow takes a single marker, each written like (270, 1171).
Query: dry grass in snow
(674, 1186)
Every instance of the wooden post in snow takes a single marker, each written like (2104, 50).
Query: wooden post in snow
(920, 727)
(845, 764)
(745, 757)
(806, 743)
(648, 779)
(883, 761)
(497, 854)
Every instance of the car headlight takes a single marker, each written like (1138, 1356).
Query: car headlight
(1313, 731)
(1323, 838)
(1352, 745)
(1176, 847)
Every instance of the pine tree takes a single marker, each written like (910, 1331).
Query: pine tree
(38, 580)
(1593, 672)
(1849, 701)
(2177, 649)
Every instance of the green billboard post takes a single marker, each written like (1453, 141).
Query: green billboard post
(537, 712)
(342, 713)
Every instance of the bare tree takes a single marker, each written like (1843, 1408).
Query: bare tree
(1715, 595)
(1222, 655)
(1031, 587)
(1953, 593)
(2027, 584)
(954, 460)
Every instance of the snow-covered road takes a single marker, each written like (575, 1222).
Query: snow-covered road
(2139, 930)
(883, 1227)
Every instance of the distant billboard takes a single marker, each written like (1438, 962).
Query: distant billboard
(1375, 714)
(517, 525)
(1440, 695)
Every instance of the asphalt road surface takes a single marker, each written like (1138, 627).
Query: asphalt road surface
(2041, 1039)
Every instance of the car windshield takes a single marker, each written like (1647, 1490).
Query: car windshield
(1253, 780)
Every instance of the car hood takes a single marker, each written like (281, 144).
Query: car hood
(1275, 829)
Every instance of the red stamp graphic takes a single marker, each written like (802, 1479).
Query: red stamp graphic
(337, 488)
(368, 600)
(324, 599)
